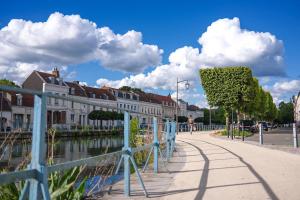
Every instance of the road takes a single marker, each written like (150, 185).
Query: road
(206, 167)
(278, 136)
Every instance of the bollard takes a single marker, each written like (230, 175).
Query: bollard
(243, 136)
(295, 137)
(232, 131)
(261, 139)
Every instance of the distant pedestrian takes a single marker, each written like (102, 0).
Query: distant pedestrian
(191, 124)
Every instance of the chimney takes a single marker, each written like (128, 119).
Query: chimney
(55, 72)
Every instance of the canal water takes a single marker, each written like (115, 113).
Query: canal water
(65, 149)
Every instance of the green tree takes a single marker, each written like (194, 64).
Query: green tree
(286, 113)
(134, 130)
(182, 119)
(229, 87)
(8, 82)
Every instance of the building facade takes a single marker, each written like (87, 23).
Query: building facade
(17, 109)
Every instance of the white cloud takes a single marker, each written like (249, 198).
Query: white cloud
(68, 39)
(283, 90)
(224, 43)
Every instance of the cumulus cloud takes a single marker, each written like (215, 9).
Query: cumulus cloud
(68, 39)
(283, 90)
(224, 43)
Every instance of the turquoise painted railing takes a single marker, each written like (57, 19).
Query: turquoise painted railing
(36, 175)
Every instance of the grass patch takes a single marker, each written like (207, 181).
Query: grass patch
(236, 133)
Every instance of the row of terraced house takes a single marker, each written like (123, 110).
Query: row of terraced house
(17, 109)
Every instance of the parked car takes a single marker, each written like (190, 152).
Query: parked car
(264, 126)
(248, 125)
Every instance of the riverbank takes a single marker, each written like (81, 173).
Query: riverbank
(62, 134)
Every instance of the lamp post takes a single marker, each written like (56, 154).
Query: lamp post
(187, 85)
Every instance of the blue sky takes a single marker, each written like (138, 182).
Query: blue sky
(161, 29)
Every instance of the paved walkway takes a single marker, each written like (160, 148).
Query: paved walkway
(206, 167)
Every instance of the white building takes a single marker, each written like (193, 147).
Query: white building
(189, 110)
(68, 114)
(16, 111)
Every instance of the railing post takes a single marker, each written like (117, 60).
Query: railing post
(173, 135)
(38, 187)
(261, 139)
(168, 139)
(126, 156)
(295, 137)
(156, 145)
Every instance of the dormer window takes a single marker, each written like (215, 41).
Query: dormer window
(120, 94)
(72, 91)
(52, 79)
(60, 81)
(19, 99)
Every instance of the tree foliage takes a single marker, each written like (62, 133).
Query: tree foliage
(234, 88)
(228, 87)
(8, 82)
(105, 115)
(286, 113)
(182, 119)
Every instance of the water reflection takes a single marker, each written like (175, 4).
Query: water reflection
(65, 149)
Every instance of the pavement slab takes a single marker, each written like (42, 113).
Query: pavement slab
(206, 167)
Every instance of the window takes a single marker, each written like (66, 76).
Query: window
(72, 117)
(49, 100)
(56, 99)
(72, 104)
(128, 106)
(64, 101)
(19, 99)
(72, 91)
(120, 105)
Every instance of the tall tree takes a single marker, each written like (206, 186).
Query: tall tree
(8, 82)
(229, 87)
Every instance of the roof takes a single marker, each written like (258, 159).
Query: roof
(147, 97)
(161, 98)
(27, 100)
(78, 90)
(48, 76)
(193, 108)
(5, 104)
(99, 92)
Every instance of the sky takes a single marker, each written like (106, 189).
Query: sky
(149, 44)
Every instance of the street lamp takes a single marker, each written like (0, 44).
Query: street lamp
(187, 85)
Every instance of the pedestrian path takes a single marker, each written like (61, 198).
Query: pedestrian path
(206, 167)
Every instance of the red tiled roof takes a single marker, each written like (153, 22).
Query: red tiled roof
(47, 77)
(99, 92)
(161, 98)
(193, 108)
(4, 103)
(79, 91)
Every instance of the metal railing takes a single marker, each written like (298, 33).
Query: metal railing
(36, 174)
(185, 127)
